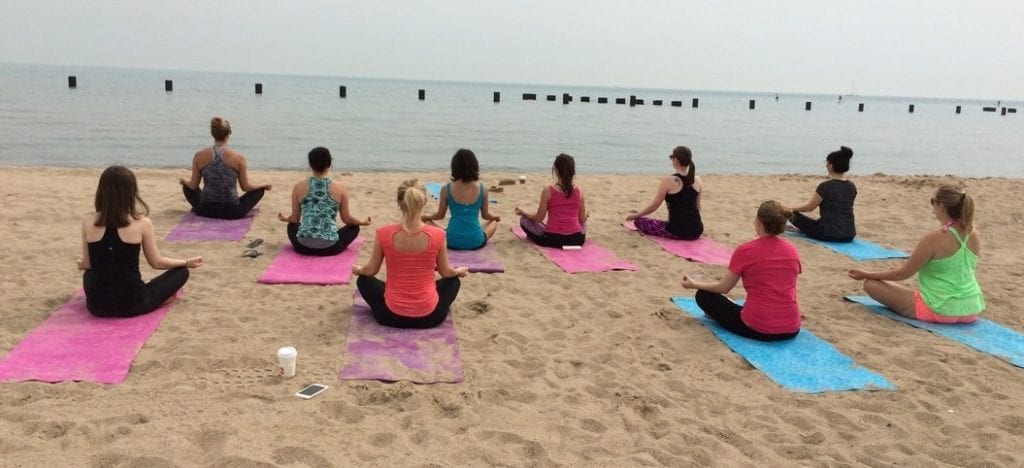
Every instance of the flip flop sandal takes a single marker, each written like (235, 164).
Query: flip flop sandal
(252, 253)
(254, 243)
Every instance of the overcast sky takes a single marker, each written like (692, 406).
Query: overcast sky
(948, 48)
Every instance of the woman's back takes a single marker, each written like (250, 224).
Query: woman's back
(769, 267)
(319, 211)
(684, 219)
(411, 259)
(837, 198)
(219, 181)
(947, 281)
(464, 201)
(114, 278)
(563, 211)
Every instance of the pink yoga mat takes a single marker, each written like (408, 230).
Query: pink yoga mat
(703, 250)
(292, 268)
(375, 352)
(483, 260)
(72, 344)
(197, 228)
(591, 258)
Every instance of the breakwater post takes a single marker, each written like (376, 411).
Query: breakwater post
(342, 92)
(656, 102)
(695, 103)
(497, 96)
(529, 97)
(910, 109)
(566, 98)
(957, 109)
(807, 106)
(751, 104)
(551, 97)
(259, 88)
(860, 107)
(584, 98)
(620, 100)
(423, 94)
(602, 100)
(1004, 111)
(72, 82)
(676, 103)
(632, 100)
(168, 85)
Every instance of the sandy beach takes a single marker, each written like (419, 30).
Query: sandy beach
(590, 369)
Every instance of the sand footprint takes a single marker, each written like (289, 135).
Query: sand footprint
(289, 455)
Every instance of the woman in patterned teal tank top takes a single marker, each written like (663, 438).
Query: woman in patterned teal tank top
(945, 261)
(468, 200)
(316, 203)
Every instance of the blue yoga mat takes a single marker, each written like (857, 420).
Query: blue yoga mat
(434, 190)
(859, 249)
(804, 364)
(983, 335)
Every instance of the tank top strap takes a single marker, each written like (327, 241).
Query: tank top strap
(448, 193)
(109, 234)
(956, 235)
(218, 153)
(480, 197)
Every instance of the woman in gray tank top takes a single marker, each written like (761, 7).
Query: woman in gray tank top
(220, 169)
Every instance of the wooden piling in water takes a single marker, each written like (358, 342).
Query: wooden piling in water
(860, 107)
(807, 106)
(695, 103)
(584, 98)
(168, 85)
(497, 96)
(751, 104)
(602, 100)
(656, 102)
(529, 97)
(620, 100)
(259, 88)
(342, 92)
(677, 103)
(72, 82)
(422, 94)
(910, 109)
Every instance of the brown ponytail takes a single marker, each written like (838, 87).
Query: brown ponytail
(773, 216)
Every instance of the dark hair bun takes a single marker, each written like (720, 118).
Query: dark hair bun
(846, 152)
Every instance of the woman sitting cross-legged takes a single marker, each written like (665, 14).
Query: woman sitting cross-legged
(681, 191)
(563, 206)
(111, 240)
(413, 250)
(769, 266)
(469, 202)
(316, 204)
(945, 261)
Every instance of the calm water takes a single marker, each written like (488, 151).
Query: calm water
(125, 116)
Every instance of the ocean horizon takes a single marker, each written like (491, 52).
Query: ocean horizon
(124, 116)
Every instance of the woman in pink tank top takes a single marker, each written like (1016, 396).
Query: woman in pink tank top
(411, 298)
(564, 207)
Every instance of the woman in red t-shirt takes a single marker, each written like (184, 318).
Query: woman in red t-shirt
(769, 266)
(412, 250)
(563, 206)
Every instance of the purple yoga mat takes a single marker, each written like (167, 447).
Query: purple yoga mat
(483, 260)
(197, 228)
(703, 250)
(375, 352)
(72, 344)
(591, 258)
(291, 268)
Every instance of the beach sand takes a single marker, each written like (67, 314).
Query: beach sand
(591, 369)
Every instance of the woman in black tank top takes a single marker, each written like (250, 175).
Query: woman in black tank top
(681, 191)
(112, 282)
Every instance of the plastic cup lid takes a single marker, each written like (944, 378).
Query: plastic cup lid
(287, 351)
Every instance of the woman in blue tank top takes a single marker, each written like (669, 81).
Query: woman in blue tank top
(316, 204)
(220, 168)
(469, 202)
(681, 191)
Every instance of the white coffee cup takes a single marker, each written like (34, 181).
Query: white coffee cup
(522, 179)
(286, 357)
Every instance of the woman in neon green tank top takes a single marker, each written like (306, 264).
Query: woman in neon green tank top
(945, 261)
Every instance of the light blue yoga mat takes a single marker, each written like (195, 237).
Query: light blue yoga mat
(804, 364)
(983, 335)
(859, 249)
(434, 190)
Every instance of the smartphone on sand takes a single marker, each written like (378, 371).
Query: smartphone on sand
(311, 391)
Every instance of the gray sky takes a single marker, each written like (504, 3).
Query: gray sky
(949, 48)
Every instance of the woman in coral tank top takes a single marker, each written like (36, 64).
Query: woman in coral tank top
(411, 298)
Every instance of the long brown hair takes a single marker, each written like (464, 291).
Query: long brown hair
(117, 198)
(959, 205)
(565, 170)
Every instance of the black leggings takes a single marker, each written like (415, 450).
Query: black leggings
(547, 239)
(158, 291)
(727, 314)
(372, 290)
(346, 235)
(245, 203)
(812, 228)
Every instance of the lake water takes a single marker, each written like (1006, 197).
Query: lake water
(125, 116)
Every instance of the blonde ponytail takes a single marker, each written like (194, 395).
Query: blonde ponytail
(959, 205)
(412, 197)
